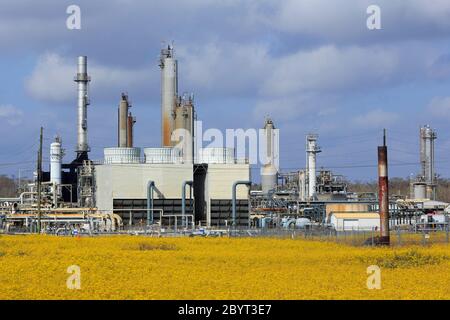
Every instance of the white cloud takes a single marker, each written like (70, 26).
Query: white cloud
(345, 20)
(52, 79)
(377, 118)
(440, 107)
(330, 68)
(228, 67)
(11, 114)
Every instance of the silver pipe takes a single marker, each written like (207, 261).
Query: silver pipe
(82, 79)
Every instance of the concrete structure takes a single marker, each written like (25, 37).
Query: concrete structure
(122, 181)
(218, 193)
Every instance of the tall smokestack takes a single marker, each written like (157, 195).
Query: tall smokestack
(383, 192)
(169, 94)
(130, 127)
(123, 121)
(82, 79)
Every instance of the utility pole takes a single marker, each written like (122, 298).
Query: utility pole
(383, 192)
(39, 179)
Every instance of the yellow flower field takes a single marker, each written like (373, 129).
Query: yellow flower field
(131, 267)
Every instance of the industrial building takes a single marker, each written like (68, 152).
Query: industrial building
(180, 185)
(182, 182)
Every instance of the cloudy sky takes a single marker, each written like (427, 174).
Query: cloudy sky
(311, 65)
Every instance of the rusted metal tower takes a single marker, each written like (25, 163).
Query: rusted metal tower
(383, 192)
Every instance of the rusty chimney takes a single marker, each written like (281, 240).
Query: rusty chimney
(130, 127)
(383, 192)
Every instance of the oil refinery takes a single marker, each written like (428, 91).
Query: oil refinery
(180, 187)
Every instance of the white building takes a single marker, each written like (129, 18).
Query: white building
(122, 188)
(357, 221)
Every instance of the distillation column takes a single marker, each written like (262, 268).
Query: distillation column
(269, 174)
(427, 137)
(82, 79)
(311, 150)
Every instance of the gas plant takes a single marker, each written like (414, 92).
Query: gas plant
(182, 187)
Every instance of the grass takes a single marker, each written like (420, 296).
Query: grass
(132, 267)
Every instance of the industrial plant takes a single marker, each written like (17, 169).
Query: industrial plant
(180, 187)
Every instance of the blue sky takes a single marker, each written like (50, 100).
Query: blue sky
(313, 66)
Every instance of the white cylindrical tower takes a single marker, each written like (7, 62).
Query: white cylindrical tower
(269, 174)
(82, 79)
(55, 161)
(311, 150)
(169, 94)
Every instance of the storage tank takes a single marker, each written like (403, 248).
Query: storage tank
(420, 191)
(55, 161)
(162, 155)
(122, 155)
(217, 155)
(269, 179)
